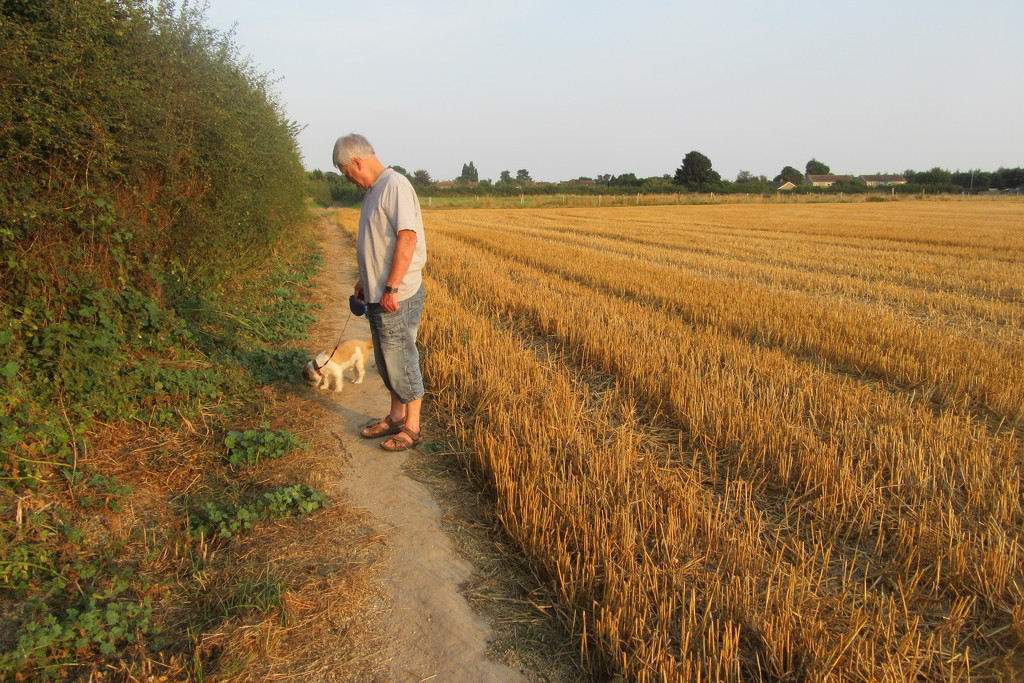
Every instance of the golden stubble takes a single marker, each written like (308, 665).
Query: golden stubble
(749, 442)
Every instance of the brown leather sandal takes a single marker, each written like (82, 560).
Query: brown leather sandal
(383, 427)
(398, 444)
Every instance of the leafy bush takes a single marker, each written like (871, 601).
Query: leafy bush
(269, 365)
(159, 169)
(55, 640)
(226, 520)
(252, 445)
(68, 602)
(100, 490)
(299, 500)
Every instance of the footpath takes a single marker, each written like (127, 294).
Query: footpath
(430, 630)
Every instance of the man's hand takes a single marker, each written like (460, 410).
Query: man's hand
(359, 292)
(404, 248)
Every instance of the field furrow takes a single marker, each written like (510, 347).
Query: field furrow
(962, 266)
(673, 581)
(856, 338)
(699, 369)
(995, 321)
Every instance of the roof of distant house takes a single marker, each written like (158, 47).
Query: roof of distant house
(828, 178)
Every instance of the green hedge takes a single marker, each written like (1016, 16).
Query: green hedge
(150, 269)
(146, 168)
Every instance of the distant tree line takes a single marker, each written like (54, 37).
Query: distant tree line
(327, 187)
(695, 174)
(973, 181)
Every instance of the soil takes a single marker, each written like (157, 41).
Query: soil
(445, 566)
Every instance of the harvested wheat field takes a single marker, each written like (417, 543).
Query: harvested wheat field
(749, 442)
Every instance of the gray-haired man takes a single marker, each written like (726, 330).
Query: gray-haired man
(391, 250)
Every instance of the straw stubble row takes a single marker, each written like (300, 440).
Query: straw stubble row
(825, 270)
(858, 338)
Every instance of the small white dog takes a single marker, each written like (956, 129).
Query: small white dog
(327, 370)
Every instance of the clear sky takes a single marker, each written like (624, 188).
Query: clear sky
(573, 88)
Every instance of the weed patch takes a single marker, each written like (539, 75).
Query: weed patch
(252, 445)
(270, 365)
(226, 520)
(66, 602)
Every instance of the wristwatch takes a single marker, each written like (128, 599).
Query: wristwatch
(390, 290)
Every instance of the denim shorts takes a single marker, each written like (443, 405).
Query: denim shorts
(394, 346)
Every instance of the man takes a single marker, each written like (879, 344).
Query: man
(391, 250)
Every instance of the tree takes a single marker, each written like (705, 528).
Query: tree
(469, 174)
(659, 185)
(973, 180)
(748, 182)
(401, 170)
(815, 167)
(421, 177)
(790, 174)
(523, 176)
(318, 188)
(936, 176)
(505, 177)
(696, 172)
(1008, 178)
(627, 179)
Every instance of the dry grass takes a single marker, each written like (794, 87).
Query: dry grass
(750, 442)
(327, 626)
(291, 600)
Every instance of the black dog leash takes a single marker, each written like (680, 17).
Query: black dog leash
(354, 306)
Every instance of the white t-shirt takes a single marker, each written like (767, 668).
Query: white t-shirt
(390, 205)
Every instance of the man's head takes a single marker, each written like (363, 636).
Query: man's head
(355, 158)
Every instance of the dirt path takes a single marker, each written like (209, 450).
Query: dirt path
(431, 632)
